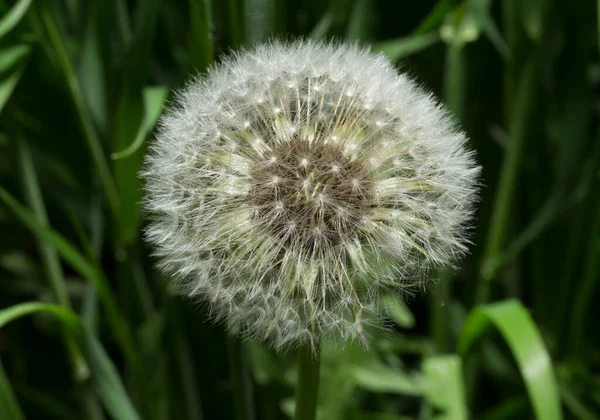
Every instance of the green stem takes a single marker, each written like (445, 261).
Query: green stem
(454, 93)
(240, 380)
(307, 392)
(508, 181)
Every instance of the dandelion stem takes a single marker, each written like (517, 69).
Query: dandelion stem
(240, 380)
(308, 383)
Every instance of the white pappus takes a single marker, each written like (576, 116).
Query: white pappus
(295, 181)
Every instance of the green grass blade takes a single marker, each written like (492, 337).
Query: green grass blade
(85, 268)
(201, 48)
(396, 308)
(525, 342)
(259, 17)
(49, 254)
(128, 118)
(56, 45)
(236, 28)
(360, 20)
(444, 386)
(435, 18)
(383, 379)
(9, 406)
(154, 100)
(106, 379)
(11, 57)
(574, 404)
(322, 28)
(14, 16)
(397, 49)
(92, 68)
(508, 180)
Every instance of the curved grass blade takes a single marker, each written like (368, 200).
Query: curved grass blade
(106, 379)
(154, 99)
(523, 338)
(13, 17)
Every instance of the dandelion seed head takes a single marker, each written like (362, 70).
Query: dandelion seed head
(296, 181)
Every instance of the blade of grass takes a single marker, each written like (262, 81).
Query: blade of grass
(128, 118)
(36, 202)
(201, 47)
(259, 17)
(14, 16)
(525, 342)
(9, 406)
(443, 386)
(397, 49)
(104, 374)
(85, 268)
(154, 100)
(508, 181)
(358, 26)
(14, 57)
(55, 43)
(575, 406)
(49, 254)
(236, 22)
(91, 69)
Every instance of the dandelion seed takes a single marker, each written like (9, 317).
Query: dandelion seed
(332, 177)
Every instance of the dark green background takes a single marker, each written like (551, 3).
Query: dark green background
(521, 76)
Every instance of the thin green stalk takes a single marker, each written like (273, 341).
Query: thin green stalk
(34, 198)
(49, 254)
(202, 51)
(240, 380)
(260, 19)
(236, 23)
(454, 93)
(307, 392)
(62, 59)
(507, 186)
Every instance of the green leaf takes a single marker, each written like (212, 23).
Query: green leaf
(395, 307)
(154, 100)
(443, 385)
(523, 338)
(397, 49)
(106, 379)
(14, 16)
(9, 406)
(386, 379)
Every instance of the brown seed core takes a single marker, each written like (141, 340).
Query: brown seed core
(310, 193)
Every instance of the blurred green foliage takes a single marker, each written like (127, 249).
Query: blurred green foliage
(97, 332)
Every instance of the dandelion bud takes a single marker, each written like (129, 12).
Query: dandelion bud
(296, 181)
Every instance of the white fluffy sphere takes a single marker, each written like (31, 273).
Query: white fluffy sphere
(295, 181)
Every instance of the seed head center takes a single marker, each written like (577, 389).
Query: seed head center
(320, 191)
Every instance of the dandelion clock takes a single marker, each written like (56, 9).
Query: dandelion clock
(295, 182)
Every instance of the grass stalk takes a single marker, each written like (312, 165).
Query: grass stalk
(58, 49)
(454, 94)
(507, 186)
(307, 392)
